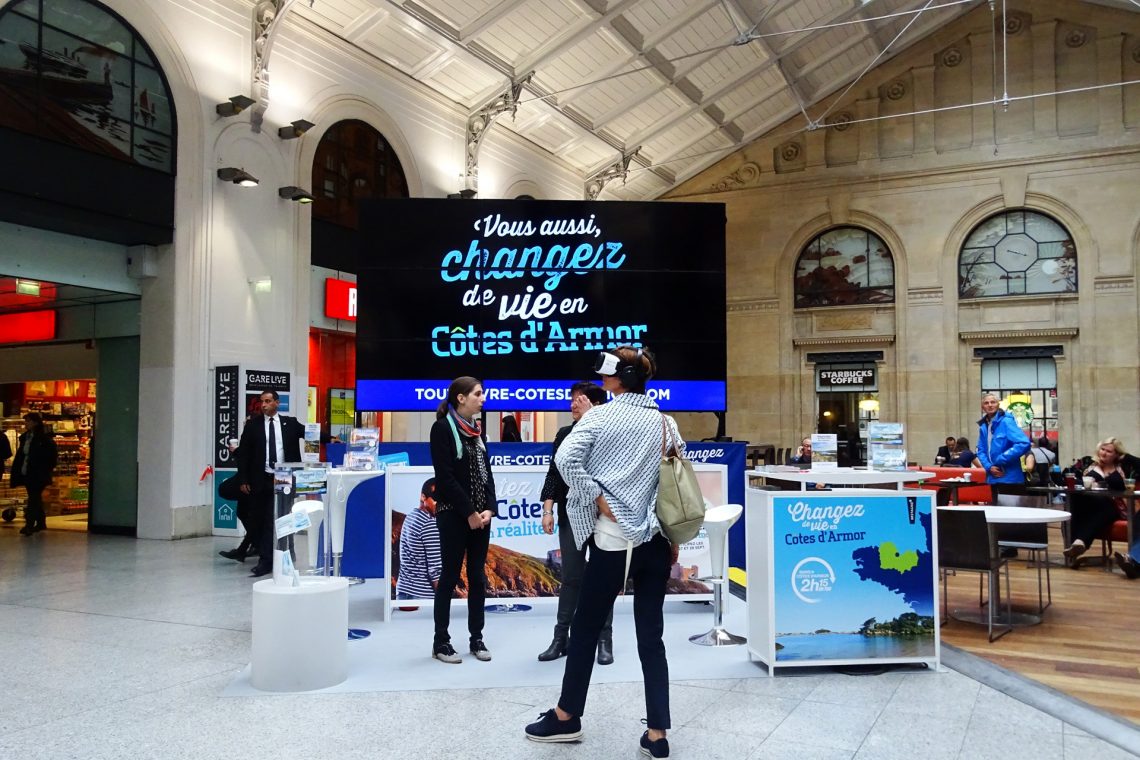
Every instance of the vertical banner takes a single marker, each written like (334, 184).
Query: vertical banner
(854, 576)
(227, 414)
(227, 419)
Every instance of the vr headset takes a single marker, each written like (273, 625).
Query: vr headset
(629, 374)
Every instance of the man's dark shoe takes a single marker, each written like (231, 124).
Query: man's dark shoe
(27, 530)
(556, 649)
(548, 728)
(260, 570)
(234, 554)
(1127, 565)
(480, 650)
(658, 749)
(605, 651)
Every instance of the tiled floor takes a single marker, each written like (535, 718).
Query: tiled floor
(120, 648)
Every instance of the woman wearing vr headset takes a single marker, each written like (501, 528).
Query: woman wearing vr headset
(465, 504)
(610, 462)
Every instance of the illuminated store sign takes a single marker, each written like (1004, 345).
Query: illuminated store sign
(531, 290)
(340, 299)
(27, 326)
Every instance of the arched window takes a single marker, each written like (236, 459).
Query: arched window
(74, 72)
(1016, 253)
(844, 266)
(353, 161)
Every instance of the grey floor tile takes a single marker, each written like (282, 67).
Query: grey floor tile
(941, 694)
(825, 726)
(1008, 740)
(1090, 748)
(777, 749)
(898, 735)
(744, 714)
(862, 690)
(995, 710)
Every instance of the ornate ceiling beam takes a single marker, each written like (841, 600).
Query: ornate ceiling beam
(267, 18)
(598, 180)
(479, 122)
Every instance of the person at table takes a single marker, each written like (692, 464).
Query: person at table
(1037, 463)
(1000, 443)
(945, 453)
(962, 456)
(584, 396)
(1095, 513)
(465, 504)
(803, 452)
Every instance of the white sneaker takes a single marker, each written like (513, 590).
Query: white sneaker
(446, 653)
(479, 649)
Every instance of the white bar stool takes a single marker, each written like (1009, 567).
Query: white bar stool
(717, 522)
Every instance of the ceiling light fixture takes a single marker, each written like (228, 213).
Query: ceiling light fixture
(237, 176)
(295, 129)
(294, 193)
(236, 105)
(28, 287)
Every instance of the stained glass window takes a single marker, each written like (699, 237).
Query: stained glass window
(74, 72)
(1017, 253)
(844, 266)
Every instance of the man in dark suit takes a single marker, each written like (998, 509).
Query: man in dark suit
(945, 453)
(268, 439)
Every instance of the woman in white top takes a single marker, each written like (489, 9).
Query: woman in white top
(610, 462)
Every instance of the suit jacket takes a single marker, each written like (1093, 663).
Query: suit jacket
(251, 449)
(944, 452)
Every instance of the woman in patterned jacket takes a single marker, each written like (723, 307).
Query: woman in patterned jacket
(610, 462)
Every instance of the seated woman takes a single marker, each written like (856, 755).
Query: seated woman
(1095, 513)
(962, 456)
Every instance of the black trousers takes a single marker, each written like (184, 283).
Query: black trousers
(262, 514)
(457, 539)
(601, 582)
(573, 564)
(1093, 514)
(34, 516)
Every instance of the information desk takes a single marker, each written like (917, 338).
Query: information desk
(842, 577)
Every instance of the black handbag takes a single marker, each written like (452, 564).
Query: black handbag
(230, 488)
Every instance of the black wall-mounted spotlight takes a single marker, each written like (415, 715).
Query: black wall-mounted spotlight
(465, 194)
(294, 193)
(236, 105)
(295, 129)
(237, 176)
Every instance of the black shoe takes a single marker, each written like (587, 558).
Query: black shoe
(261, 570)
(549, 728)
(605, 651)
(480, 650)
(1127, 565)
(234, 554)
(556, 649)
(657, 749)
(27, 530)
(446, 653)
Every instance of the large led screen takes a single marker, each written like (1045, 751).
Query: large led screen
(523, 294)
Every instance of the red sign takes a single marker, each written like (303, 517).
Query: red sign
(27, 326)
(340, 299)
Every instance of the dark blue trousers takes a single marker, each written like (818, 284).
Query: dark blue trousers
(601, 583)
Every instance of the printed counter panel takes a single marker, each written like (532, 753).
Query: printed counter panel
(851, 576)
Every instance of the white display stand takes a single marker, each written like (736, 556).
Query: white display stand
(340, 485)
(299, 641)
(822, 564)
(842, 476)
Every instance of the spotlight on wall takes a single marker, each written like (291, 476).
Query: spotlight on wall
(28, 287)
(295, 129)
(294, 193)
(236, 105)
(466, 194)
(262, 285)
(237, 176)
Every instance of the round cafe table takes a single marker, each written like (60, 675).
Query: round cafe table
(1004, 516)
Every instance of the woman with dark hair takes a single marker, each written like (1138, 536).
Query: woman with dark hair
(32, 468)
(610, 462)
(465, 504)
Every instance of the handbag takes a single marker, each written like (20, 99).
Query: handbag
(680, 504)
(230, 488)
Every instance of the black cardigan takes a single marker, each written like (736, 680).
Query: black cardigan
(554, 487)
(453, 474)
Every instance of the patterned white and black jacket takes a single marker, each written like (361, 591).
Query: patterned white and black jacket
(615, 449)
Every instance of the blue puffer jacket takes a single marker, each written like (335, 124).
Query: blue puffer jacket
(1001, 442)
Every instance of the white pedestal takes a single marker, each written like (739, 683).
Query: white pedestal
(300, 635)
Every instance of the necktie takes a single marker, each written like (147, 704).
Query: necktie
(272, 443)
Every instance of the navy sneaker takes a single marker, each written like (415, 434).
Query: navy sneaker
(549, 728)
(656, 749)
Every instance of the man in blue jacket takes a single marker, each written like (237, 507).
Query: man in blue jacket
(1001, 443)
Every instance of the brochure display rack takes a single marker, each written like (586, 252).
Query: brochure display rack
(841, 577)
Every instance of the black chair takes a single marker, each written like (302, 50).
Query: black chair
(966, 543)
(1033, 537)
